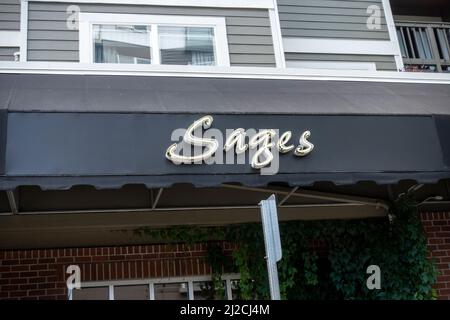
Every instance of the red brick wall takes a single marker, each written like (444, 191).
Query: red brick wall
(437, 228)
(40, 274)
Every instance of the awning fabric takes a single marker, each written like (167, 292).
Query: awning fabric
(107, 131)
(113, 93)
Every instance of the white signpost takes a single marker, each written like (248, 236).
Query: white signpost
(272, 242)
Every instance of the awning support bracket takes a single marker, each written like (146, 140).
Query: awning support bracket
(317, 195)
(13, 199)
(288, 196)
(158, 195)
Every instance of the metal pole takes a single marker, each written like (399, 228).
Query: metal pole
(272, 243)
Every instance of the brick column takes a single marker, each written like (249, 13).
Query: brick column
(437, 229)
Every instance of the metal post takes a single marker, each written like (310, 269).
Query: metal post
(272, 243)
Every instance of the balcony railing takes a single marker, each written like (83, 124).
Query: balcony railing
(425, 47)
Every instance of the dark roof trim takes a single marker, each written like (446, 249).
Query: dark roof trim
(151, 94)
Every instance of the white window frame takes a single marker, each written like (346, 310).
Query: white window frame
(248, 4)
(227, 278)
(87, 20)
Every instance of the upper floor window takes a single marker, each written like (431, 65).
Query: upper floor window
(143, 39)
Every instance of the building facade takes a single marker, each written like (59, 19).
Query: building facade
(95, 95)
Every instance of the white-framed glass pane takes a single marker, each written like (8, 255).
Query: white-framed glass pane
(133, 292)
(121, 44)
(187, 45)
(235, 290)
(204, 290)
(171, 291)
(94, 293)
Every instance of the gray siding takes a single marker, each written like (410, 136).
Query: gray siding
(333, 19)
(7, 53)
(10, 15)
(248, 31)
(382, 62)
(329, 19)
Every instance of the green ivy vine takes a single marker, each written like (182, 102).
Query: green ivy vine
(397, 245)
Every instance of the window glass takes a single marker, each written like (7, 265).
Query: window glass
(121, 44)
(235, 290)
(204, 290)
(171, 291)
(95, 293)
(136, 292)
(187, 45)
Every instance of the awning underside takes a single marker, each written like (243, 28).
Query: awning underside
(84, 216)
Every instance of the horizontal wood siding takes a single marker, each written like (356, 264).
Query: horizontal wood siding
(329, 19)
(333, 19)
(10, 15)
(7, 53)
(248, 30)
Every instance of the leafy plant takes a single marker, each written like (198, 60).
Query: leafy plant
(397, 246)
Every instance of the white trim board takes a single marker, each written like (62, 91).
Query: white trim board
(10, 39)
(277, 38)
(23, 30)
(393, 34)
(86, 21)
(338, 46)
(255, 4)
(222, 72)
(332, 65)
(156, 280)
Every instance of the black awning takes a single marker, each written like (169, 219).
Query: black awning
(57, 131)
(108, 150)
